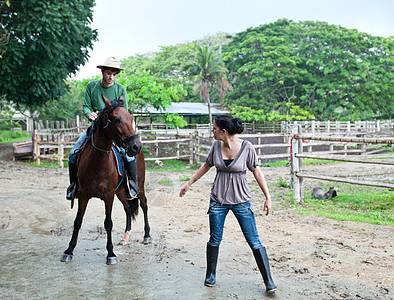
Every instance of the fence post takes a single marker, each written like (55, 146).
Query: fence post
(258, 143)
(156, 145)
(300, 166)
(61, 149)
(77, 124)
(191, 145)
(34, 142)
(295, 167)
(177, 146)
(36, 147)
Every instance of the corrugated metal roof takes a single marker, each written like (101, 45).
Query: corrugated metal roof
(189, 108)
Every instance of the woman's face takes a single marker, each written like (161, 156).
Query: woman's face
(217, 132)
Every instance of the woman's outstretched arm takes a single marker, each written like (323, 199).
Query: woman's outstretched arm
(200, 173)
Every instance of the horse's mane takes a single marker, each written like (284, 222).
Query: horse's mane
(104, 112)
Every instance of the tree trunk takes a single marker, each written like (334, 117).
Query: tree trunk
(207, 100)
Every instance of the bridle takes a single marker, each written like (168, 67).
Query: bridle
(123, 141)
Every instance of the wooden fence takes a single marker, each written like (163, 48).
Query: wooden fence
(284, 127)
(297, 155)
(52, 140)
(376, 127)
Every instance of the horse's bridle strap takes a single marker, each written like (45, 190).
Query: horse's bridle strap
(123, 141)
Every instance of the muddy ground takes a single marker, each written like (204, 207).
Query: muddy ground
(311, 257)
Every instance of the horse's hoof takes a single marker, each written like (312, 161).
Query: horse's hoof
(112, 260)
(67, 257)
(123, 243)
(147, 240)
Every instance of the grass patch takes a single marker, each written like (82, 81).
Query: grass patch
(305, 161)
(164, 181)
(374, 207)
(43, 164)
(170, 165)
(184, 178)
(282, 183)
(8, 136)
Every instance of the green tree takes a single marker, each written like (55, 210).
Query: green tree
(46, 41)
(144, 90)
(6, 114)
(172, 62)
(69, 104)
(320, 67)
(208, 70)
(291, 112)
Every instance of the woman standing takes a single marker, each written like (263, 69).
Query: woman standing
(232, 156)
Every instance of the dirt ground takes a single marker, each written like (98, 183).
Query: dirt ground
(311, 257)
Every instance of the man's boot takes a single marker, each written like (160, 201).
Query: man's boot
(212, 260)
(132, 175)
(262, 262)
(73, 174)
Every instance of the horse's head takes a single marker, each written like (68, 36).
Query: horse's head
(119, 124)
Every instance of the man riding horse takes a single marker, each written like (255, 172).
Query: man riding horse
(92, 104)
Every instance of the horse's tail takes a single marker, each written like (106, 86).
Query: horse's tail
(133, 207)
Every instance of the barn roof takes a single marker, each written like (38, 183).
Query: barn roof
(188, 109)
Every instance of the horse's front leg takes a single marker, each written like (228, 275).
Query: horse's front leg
(144, 207)
(111, 257)
(68, 254)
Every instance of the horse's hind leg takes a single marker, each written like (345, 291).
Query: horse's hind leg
(111, 257)
(128, 210)
(144, 207)
(68, 254)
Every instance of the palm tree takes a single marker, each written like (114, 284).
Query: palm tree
(208, 70)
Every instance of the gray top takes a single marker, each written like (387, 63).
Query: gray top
(230, 185)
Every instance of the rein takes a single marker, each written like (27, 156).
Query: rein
(97, 148)
(122, 140)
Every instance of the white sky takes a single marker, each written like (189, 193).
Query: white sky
(130, 27)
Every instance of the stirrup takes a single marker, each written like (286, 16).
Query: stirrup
(131, 193)
(70, 191)
(132, 189)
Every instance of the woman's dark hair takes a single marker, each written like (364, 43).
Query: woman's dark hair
(231, 124)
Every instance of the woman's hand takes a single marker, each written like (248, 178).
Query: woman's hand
(200, 173)
(267, 206)
(184, 190)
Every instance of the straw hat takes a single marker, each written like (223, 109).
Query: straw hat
(111, 62)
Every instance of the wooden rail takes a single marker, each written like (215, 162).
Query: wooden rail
(298, 175)
(52, 144)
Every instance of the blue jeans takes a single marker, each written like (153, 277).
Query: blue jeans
(245, 216)
(72, 156)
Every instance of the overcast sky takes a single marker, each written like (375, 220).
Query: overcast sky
(129, 27)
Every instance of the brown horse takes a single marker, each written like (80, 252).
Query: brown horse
(98, 176)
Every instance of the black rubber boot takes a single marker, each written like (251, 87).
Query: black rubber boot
(262, 262)
(73, 173)
(132, 174)
(212, 260)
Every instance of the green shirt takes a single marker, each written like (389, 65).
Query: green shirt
(93, 100)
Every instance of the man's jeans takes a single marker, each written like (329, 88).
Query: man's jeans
(72, 156)
(245, 216)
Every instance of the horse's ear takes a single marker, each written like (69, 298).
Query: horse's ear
(121, 100)
(106, 101)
